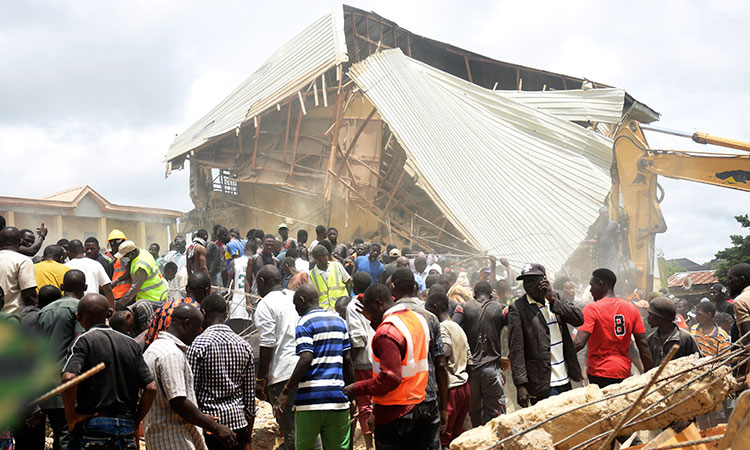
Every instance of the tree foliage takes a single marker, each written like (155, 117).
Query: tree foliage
(739, 252)
(668, 268)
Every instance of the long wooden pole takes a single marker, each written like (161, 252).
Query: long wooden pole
(65, 386)
(255, 146)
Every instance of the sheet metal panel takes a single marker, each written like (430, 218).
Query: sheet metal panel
(293, 67)
(516, 181)
(582, 105)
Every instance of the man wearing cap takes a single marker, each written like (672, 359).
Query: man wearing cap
(329, 278)
(120, 269)
(283, 237)
(394, 254)
(542, 355)
(147, 282)
(718, 294)
(664, 333)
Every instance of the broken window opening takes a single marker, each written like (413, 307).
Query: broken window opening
(223, 182)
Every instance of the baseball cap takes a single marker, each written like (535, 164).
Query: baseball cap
(663, 307)
(394, 253)
(530, 270)
(125, 248)
(282, 225)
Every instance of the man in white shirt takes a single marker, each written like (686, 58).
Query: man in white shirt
(16, 273)
(96, 276)
(176, 281)
(177, 255)
(276, 319)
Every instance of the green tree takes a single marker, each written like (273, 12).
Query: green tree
(739, 252)
(668, 268)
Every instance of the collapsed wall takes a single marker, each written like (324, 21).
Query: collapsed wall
(699, 395)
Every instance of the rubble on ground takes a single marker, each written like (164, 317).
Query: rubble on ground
(265, 430)
(697, 397)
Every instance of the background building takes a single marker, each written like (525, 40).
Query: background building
(81, 212)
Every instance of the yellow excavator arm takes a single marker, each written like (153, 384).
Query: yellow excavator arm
(634, 201)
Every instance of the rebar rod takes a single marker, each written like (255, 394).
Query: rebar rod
(719, 358)
(639, 399)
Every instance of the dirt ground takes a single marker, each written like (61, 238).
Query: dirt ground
(266, 435)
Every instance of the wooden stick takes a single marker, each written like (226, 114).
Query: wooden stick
(468, 70)
(325, 96)
(65, 386)
(691, 443)
(286, 136)
(257, 136)
(613, 434)
(356, 136)
(296, 143)
(395, 189)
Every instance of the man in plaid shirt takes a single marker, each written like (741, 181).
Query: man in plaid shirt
(224, 374)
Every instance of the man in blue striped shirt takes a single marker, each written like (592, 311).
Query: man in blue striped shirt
(324, 368)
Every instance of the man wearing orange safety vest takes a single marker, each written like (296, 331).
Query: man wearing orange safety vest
(147, 282)
(400, 369)
(121, 273)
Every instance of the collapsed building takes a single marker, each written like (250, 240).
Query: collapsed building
(360, 124)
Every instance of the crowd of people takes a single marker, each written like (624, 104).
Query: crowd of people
(411, 347)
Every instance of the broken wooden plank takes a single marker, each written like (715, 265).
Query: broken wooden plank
(255, 146)
(296, 143)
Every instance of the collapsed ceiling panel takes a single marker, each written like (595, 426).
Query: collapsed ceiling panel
(291, 68)
(516, 181)
(578, 105)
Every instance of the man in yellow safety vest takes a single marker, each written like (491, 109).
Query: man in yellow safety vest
(329, 278)
(147, 282)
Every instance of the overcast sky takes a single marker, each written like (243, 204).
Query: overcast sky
(94, 92)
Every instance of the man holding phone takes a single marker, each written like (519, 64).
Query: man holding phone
(542, 355)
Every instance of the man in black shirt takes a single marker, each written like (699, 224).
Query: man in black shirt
(482, 320)
(718, 293)
(108, 409)
(91, 247)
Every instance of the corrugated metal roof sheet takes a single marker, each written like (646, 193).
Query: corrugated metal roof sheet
(514, 180)
(293, 67)
(592, 105)
(696, 277)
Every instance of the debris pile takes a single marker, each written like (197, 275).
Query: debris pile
(582, 418)
(265, 430)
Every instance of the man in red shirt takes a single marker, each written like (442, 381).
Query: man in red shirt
(402, 419)
(609, 322)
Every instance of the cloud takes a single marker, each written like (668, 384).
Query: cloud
(94, 89)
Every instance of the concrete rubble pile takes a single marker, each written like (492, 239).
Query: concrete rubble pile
(698, 397)
(265, 429)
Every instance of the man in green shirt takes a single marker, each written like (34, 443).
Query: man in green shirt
(57, 321)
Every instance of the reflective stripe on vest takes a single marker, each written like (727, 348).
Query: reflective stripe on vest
(414, 365)
(119, 270)
(153, 288)
(329, 291)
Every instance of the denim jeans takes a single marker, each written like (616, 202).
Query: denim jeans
(104, 433)
(286, 419)
(487, 396)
